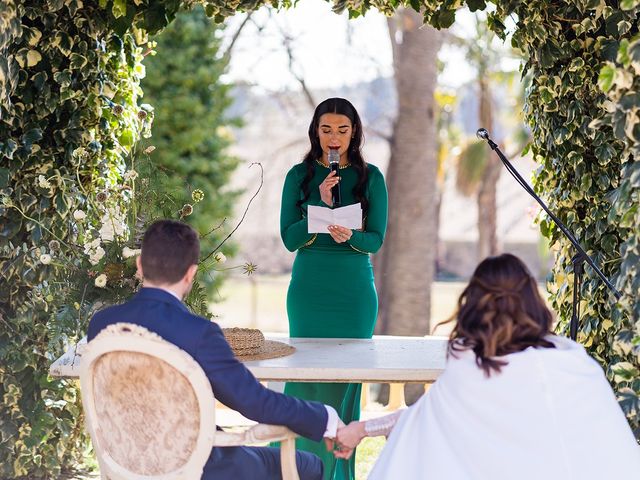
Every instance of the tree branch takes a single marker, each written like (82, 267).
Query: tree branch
(243, 215)
(227, 52)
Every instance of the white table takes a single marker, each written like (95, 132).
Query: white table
(382, 359)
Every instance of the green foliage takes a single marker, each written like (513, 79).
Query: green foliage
(586, 144)
(68, 103)
(190, 130)
(71, 208)
(622, 117)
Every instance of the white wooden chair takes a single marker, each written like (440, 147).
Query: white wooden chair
(150, 410)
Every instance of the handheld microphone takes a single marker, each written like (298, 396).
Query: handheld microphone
(334, 165)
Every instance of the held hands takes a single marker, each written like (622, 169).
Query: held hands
(333, 446)
(347, 439)
(325, 187)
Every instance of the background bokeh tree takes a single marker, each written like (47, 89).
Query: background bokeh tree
(191, 129)
(405, 266)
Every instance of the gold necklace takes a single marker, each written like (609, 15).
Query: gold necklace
(341, 167)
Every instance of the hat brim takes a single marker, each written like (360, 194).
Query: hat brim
(270, 349)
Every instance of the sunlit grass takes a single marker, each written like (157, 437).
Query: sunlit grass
(367, 454)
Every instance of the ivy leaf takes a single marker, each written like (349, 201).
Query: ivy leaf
(623, 53)
(39, 80)
(126, 138)
(32, 136)
(77, 61)
(445, 18)
(9, 148)
(605, 79)
(476, 5)
(4, 177)
(119, 8)
(33, 58)
(629, 401)
(63, 78)
(63, 42)
(628, 4)
(634, 51)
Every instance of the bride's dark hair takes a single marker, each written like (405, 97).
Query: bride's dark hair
(500, 312)
(339, 106)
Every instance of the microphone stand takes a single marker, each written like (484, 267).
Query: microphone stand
(577, 260)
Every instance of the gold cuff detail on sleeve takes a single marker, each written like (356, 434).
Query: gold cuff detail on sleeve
(313, 239)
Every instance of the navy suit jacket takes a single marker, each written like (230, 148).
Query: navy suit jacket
(231, 382)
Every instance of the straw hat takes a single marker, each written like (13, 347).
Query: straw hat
(249, 344)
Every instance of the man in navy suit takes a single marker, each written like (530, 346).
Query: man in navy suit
(168, 264)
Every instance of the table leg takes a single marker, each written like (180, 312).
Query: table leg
(364, 397)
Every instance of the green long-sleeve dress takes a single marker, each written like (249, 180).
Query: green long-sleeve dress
(332, 293)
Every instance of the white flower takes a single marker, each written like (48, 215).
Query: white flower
(45, 259)
(220, 257)
(94, 251)
(106, 231)
(130, 252)
(79, 215)
(113, 224)
(96, 256)
(92, 245)
(101, 281)
(131, 175)
(43, 182)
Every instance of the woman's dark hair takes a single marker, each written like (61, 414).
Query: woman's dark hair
(339, 106)
(500, 312)
(169, 248)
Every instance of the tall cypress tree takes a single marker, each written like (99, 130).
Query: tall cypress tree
(190, 128)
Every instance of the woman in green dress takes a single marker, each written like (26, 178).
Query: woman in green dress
(332, 293)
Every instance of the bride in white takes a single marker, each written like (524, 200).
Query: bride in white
(514, 401)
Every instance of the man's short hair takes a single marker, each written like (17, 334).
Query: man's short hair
(169, 248)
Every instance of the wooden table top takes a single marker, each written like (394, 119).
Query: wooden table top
(382, 359)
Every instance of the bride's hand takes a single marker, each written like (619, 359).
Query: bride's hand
(351, 435)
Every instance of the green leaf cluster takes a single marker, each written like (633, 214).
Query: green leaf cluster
(582, 109)
(69, 115)
(71, 125)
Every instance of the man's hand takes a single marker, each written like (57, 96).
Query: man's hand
(330, 443)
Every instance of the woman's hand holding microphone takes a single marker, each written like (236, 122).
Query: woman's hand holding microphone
(338, 233)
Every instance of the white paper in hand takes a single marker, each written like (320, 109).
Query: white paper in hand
(319, 218)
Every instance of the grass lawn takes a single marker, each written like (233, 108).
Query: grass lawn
(366, 455)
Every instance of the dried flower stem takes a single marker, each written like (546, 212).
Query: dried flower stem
(243, 215)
